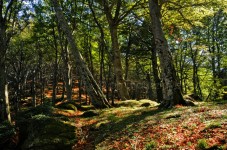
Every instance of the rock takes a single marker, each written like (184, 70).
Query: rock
(67, 105)
(145, 105)
(48, 133)
(7, 133)
(189, 103)
(39, 129)
(87, 114)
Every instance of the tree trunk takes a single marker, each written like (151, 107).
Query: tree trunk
(157, 80)
(2, 77)
(113, 25)
(4, 100)
(171, 88)
(7, 103)
(94, 91)
(127, 55)
(54, 82)
(121, 85)
(33, 89)
(67, 75)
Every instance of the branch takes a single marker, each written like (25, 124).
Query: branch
(117, 12)
(1, 7)
(8, 8)
(127, 12)
(107, 10)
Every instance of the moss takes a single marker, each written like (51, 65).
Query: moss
(41, 109)
(45, 132)
(151, 145)
(67, 105)
(202, 144)
(41, 129)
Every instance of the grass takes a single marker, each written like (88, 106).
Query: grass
(202, 144)
(134, 127)
(151, 145)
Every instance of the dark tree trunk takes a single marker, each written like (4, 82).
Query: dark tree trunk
(157, 80)
(55, 72)
(33, 89)
(4, 100)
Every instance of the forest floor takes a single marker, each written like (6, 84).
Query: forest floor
(135, 125)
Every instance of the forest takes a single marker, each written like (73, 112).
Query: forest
(113, 74)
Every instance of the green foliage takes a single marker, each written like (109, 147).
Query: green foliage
(152, 145)
(202, 144)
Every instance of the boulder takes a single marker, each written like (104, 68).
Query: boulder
(47, 133)
(39, 129)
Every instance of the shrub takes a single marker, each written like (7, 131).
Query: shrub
(202, 144)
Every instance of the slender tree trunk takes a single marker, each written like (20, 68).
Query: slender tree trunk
(157, 80)
(171, 87)
(33, 89)
(7, 103)
(2, 79)
(194, 68)
(54, 82)
(94, 91)
(150, 90)
(127, 56)
(67, 75)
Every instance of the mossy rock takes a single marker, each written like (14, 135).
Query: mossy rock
(23, 119)
(48, 133)
(127, 103)
(41, 129)
(145, 105)
(41, 109)
(7, 131)
(90, 113)
(67, 105)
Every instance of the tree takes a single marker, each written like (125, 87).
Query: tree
(97, 97)
(114, 15)
(171, 87)
(8, 12)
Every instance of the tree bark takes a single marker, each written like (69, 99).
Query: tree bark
(156, 76)
(171, 88)
(94, 91)
(4, 100)
(113, 25)
(121, 85)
